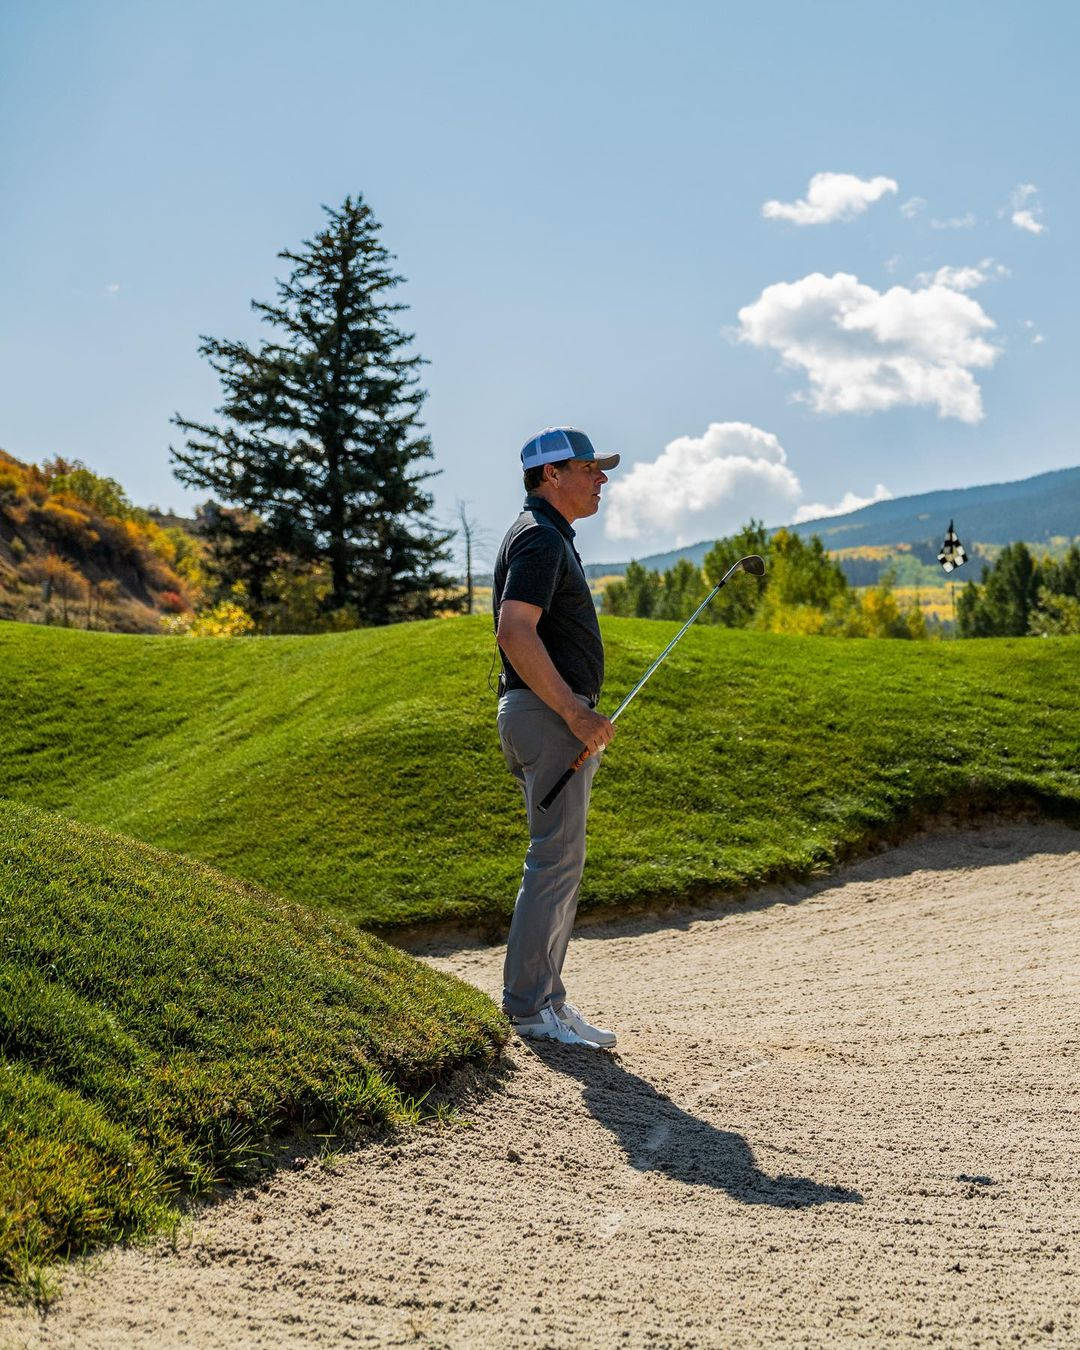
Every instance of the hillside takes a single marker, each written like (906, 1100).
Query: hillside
(74, 551)
(360, 772)
(159, 1022)
(1038, 510)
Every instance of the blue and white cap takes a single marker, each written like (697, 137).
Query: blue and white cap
(558, 443)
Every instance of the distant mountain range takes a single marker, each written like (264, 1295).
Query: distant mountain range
(1038, 510)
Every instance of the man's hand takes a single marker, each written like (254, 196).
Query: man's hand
(591, 728)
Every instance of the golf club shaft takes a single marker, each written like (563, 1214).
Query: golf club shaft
(585, 753)
(659, 660)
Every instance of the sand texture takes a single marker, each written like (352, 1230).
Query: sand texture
(838, 1112)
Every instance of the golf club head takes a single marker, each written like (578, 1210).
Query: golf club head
(753, 564)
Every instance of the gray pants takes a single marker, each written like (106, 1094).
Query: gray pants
(539, 747)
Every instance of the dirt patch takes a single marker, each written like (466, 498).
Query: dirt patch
(846, 1111)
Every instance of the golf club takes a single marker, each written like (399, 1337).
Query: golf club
(753, 564)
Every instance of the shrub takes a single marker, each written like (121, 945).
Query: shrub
(64, 524)
(172, 602)
(1056, 616)
(226, 619)
(10, 488)
(105, 495)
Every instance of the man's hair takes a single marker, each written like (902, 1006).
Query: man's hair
(534, 475)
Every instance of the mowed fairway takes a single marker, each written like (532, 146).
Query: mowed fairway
(361, 772)
(845, 1113)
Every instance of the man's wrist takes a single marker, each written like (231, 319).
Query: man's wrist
(569, 711)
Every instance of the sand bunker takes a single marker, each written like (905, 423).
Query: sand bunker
(846, 1111)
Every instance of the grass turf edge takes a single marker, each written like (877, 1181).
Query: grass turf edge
(934, 813)
(161, 1024)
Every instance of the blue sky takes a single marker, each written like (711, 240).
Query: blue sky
(575, 193)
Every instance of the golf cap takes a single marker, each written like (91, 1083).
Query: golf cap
(558, 443)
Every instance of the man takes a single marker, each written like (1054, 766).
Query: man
(553, 669)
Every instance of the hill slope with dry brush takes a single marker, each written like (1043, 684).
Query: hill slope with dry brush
(74, 551)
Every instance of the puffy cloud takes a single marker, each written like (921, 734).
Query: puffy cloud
(866, 351)
(831, 196)
(912, 207)
(849, 502)
(1026, 210)
(701, 487)
(1036, 337)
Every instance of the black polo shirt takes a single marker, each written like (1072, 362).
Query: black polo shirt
(538, 564)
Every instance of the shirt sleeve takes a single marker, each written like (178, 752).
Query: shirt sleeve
(535, 560)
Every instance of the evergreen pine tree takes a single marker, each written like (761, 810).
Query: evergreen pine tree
(683, 590)
(322, 436)
(737, 602)
(642, 590)
(635, 596)
(1062, 576)
(1003, 605)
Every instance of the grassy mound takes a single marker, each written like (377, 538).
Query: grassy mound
(361, 771)
(159, 1021)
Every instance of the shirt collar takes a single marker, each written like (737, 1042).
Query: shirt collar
(541, 504)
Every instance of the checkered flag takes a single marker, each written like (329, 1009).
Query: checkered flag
(952, 553)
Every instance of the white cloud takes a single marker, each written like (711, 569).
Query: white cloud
(1036, 337)
(831, 196)
(867, 351)
(1024, 220)
(912, 207)
(1026, 209)
(955, 278)
(700, 487)
(849, 502)
(963, 278)
(964, 222)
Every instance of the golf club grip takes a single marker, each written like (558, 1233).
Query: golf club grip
(564, 780)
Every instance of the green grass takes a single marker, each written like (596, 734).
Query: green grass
(360, 772)
(159, 1023)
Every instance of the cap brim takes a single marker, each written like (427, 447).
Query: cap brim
(605, 461)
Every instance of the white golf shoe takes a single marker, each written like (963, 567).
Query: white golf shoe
(571, 1017)
(548, 1026)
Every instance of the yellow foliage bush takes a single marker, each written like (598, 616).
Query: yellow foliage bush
(225, 619)
(63, 517)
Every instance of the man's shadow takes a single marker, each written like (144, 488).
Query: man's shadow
(658, 1136)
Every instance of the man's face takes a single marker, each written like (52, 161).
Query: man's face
(578, 485)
